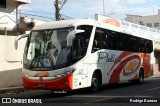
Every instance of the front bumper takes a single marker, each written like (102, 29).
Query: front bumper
(62, 83)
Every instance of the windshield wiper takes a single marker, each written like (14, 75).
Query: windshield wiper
(39, 60)
(32, 63)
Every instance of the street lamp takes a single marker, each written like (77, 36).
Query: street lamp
(103, 8)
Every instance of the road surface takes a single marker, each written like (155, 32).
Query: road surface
(124, 92)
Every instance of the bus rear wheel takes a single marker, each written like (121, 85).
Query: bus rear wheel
(95, 84)
(140, 79)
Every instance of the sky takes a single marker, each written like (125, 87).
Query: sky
(88, 8)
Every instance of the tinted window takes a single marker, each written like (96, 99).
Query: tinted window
(100, 40)
(107, 39)
(3, 3)
(85, 36)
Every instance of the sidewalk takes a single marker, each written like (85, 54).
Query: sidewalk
(11, 90)
(156, 75)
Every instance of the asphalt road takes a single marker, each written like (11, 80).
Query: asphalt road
(125, 92)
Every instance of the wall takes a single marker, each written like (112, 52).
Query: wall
(8, 14)
(9, 57)
(11, 61)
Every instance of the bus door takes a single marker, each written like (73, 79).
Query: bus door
(99, 45)
(80, 77)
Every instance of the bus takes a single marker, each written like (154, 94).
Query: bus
(83, 53)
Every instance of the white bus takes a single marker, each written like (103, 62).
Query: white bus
(74, 54)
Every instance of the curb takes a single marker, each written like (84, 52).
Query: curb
(11, 90)
(156, 75)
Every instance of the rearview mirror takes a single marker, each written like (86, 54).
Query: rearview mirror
(71, 36)
(18, 38)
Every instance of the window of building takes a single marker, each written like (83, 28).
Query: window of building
(149, 24)
(156, 24)
(3, 3)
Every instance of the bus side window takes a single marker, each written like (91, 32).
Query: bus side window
(86, 36)
(78, 48)
(133, 44)
(96, 44)
(141, 44)
(113, 41)
(99, 41)
(109, 43)
(120, 42)
(150, 46)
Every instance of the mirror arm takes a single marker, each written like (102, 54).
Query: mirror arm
(18, 38)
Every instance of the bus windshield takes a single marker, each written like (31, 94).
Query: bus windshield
(47, 49)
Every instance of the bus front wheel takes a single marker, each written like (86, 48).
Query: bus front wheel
(95, 84)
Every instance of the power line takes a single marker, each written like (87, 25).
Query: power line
(8, 11)
(65, 16)
(37, 16)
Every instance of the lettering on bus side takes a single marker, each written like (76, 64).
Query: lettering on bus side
(109, 58)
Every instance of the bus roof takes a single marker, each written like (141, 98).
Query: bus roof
(76, 22)
(64, 23)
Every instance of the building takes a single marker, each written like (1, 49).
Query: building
(11, 25)
(9, 17)
(10, 58)
(152, 21)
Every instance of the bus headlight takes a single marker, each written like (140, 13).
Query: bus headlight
(65, 73)
(70, 71)
(26, 75)
(58, 76)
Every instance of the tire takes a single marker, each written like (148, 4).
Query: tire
(95, 84)
(140, 79)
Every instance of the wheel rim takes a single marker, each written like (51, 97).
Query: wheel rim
(95, 82)
(141, 78)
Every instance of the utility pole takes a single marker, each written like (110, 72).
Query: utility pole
(17, 6)
(57, 14)
(58, 6)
